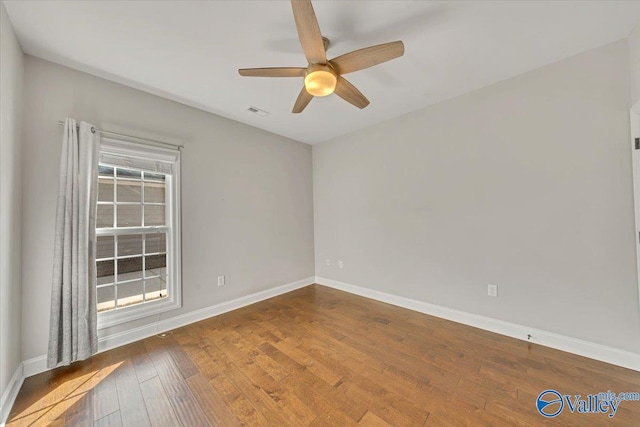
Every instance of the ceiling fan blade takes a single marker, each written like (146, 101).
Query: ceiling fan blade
(273, 72)
(309, 31)
(367, 57)
(349, 93)
(304, 98)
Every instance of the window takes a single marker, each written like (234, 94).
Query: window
(137, 232)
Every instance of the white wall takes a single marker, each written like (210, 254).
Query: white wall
(247, 207)
(11, 68)
(634, 55)
(525, 184)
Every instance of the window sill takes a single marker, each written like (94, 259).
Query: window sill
(127, 314)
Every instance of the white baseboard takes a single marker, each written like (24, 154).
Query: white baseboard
(588, 349)
(38, 364)
(34, 365)
(10, 394)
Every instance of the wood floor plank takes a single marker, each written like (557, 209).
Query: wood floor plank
(261, 359)
(133, 411)
(111, 420)
(213, 405)
(77, 409)
(81, 413)
(58, 422)
(397, 409)
(320, 357)
(49, 388)
(206, 365)
(186, 408)
(305, 359)
(250, 380)
(105, 398)
(160, 411)
(184, 363)
(372, 420)
(267, 374)
(142, 363)
(28, 419)
(329, 414)
(237, 402)
(348, 405)
(386, 410)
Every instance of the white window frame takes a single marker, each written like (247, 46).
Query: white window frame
(129, 152)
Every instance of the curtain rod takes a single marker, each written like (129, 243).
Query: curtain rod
(147, 140)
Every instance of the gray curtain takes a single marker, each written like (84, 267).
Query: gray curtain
(73, 325)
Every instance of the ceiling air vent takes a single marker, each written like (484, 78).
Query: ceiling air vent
(258, 111)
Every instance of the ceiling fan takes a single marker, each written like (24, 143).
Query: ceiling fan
(323, 77)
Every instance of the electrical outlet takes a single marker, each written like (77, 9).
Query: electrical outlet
(327, 262)
(492, 290)
(340, 264)
(220, 280)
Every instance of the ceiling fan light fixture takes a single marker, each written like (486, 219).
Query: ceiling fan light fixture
(320, 80)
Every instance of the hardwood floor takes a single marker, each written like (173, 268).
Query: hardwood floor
(321, 357)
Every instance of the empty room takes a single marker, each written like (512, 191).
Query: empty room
(319, 213)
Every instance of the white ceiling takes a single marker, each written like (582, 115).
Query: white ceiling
(190, 51)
